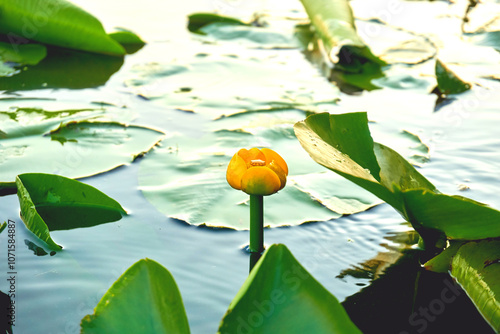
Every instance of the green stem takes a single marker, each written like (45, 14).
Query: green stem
(256, 223)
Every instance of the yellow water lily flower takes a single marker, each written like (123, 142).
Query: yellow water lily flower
(257, 171)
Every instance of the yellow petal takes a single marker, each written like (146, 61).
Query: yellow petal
(260, 181)
(273, 156)
(235, 170)
(279, 172)
(251, 154)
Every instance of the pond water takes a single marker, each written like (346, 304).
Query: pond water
(347, 255)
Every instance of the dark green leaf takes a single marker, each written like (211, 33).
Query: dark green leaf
(51, 202)
(129, 40)
(458, 217)
(56, 22)
(441, 263)
(3, 226)
(280, 296)
(199, 20)
(449, 82)
(145, 299)
(476, 267)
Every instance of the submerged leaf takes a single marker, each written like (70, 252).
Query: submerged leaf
(476, 267)
(145, 299)
(51, 202)
(280, 296)
(56, 22)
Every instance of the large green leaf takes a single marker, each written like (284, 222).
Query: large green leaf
(458, 217)
(51, 202)
(280, 296)
(476, 267)
(343, 144)
(56, 22)
(36, 140)
(145, 299)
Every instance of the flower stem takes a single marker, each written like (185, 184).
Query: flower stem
(256, 223)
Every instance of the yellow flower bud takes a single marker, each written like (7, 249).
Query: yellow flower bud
(257, 172)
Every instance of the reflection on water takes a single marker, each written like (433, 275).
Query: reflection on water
(64, 68)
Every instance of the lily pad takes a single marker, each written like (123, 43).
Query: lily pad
(56, 22)
(24, 54)
(280, 296)
(51, 202)
(199, 20)
(267, 84)
(35, 140)
(145, 299)
(476, 267)
(185, 179)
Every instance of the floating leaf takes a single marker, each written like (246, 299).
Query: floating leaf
(449, 82)
(129, 40)
(195, 168)
(280, 296)
(200, 20)
(145, 299)
(3, 226)
(476, 267)
(458, 217)
(56, 22)
(267, 85)
(51, 202)
(34, 143)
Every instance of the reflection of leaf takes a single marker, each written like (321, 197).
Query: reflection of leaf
(50, 202)
(476, 267)
(74, 149)
(56, 22)
(145, 299)
(63, 68)
(24, 54)
(287, 299)
(448, 82)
